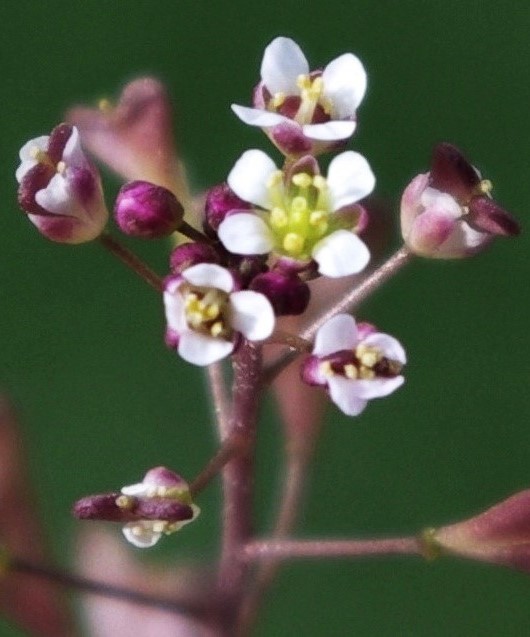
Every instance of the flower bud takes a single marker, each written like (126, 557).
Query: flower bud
(59, 189)
(448, 212)
(500, 535)
(287, 294)
(188, 254)
(145, 210)
(220, 200)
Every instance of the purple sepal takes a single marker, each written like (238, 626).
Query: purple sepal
(57, 142)
(290, 139)
(172, 339)
(310, 372)
(105, 507)
(452, 173)
(287, 294)
(143, 209)
(188, 254)
(220, 200)
(37, 178)
(486, 216)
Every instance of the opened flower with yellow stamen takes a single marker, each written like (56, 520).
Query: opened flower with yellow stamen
(206, 314)
(354, 362)
(301, 110)
(301, 215)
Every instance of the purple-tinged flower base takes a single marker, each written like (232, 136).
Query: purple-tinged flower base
(221, 200)
(143, 209)
(59, 189)
(188, 254)
(354, 363)
(500, 535)
(449, 213)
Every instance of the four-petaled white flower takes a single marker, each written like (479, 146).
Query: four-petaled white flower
(355, 363)
(206, 314)
(301, 216)
(297, 106)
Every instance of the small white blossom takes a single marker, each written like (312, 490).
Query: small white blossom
(312, 105)
(206, 314)
(355, 363)
(300, 216)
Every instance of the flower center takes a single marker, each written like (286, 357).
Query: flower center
(42, 157)
(300, 215)
(362, 363)
(309, 107)
(205, 310)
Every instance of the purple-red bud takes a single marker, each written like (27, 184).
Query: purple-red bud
(143, 209)
(188, 254)
(287, 293)
(220, 200)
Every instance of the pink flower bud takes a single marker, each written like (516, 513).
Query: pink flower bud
(220, 200)
(500, 535)
(188, 254)
(145, 210)
(448, 212)
(59, 189)
(287, 293)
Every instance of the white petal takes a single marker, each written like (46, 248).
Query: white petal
(245, 233)
(209, 275)
(330, 131)
(250, 175)
(377, 387)
(340, 254)
(389, 346)
(200, 349)
(340, 332)
(252, 315)
(73, 154)
(283, 61)
(258, 117)
(136, 489)
(432, 198)
(350, 178)
(343, 393)
(27, 161)
(57, 197)
(141, 534)
(344, 84)
(174, 308)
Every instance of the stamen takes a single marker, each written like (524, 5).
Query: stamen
(125, 502)
(350, 371)
(277, 100)
(278, 217)
(105, 106)
(302, 180)
(293, 243)
(326, 369)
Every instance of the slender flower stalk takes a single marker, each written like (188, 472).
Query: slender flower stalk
(295, 549)
(131, 261)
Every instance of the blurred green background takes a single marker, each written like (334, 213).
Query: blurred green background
(81, 339)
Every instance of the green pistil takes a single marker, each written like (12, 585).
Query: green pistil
(300, 216)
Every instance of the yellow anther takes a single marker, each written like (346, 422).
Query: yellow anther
(124, 502)
(61, 167)
(274, 179)
(278, 217)
(217, 329)
(317, 217)
(366, 373)
(293, 243)
(317, 86)
(327, 105)
(41, 156)
(302, 180)
(159, 526)
(369, 359)
(303, 82)
(319, 182)
(277, 100)
(485, 186)
(326, 369)
(105, 105)
(350, 371)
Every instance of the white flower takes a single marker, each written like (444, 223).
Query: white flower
(205, 315)
(321, 104)
(355, 363)
(301, 216)
(59, 189)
